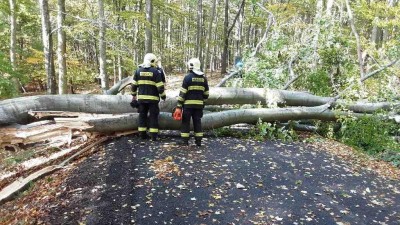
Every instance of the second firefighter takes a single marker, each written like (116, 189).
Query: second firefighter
(193, 94)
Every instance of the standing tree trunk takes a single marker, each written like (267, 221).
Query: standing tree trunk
(329, 5)
(226, 39)
(13, 42)
(354, 30)
(209, 33)
(317, 20)
(13, 35)
(148, 47)
(62, 67)
(199, 34)
(102, 48)
(47, 47)
(224, 58)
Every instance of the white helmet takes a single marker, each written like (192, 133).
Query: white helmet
(194, 65)
(149, 60)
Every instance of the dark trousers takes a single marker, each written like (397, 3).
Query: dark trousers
(152, 121)
(195, 115)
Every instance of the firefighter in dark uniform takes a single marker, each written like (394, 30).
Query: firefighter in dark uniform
(157, 65)
(147, 89)
(193, 93)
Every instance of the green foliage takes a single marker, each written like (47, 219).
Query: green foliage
(391, 156)
(318, 83)
(7, 88)
(369, 134)
(270, 131)
(18, 158)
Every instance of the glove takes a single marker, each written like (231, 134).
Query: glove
(134, 103)
(177, 113)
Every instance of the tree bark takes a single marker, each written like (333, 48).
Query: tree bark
(48, 47)
(16, 110)
(102, 47)
(199, 34)
(354, 30)
(13, 43)
(317, 20)
(226, 39)
(61, 47)
(124, 122)
(149, 27)
(209, 33)
(224, 57)
(271, 20)
(13, 35)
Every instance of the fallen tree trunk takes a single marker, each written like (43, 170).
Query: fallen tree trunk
(119, 86)
(124, 122)
(223, 81)
(16, 110)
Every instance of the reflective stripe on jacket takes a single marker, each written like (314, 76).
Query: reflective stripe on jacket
(147, 85)
(194, 91)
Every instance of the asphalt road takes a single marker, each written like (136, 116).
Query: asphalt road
(226, 181)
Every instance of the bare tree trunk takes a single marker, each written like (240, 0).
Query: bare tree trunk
(317, 19)
(61, 47)
(102, 47)
(224, 57)
(209, 33)
(226, 39)
(115, 70)
(271, 20)
(199, 34)
(149, 28)
(13, 42)
(376, 35)
(13, 35)
(329, 5)
(48, 47)
(359, 51)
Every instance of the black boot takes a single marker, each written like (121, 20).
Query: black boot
(154, 136)
(143, 135)
(198, 142)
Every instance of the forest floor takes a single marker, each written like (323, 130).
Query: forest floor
(226, 181)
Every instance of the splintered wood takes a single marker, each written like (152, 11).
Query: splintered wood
(45, 131)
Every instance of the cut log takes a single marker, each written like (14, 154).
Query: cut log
(16, 110)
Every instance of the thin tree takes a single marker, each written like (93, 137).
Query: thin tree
(13, 35)
(61, 47)
(47, 47)
(13, 42)
(102, 47)
(148, 47)
(209, 33)
(224, 57)
(199, 33)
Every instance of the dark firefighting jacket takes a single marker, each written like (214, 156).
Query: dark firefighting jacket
(147, 85)
(194, 91)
